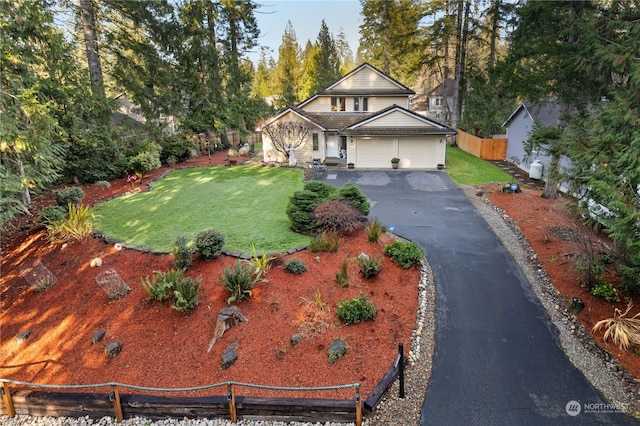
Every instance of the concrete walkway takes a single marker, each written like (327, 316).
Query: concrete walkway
(497, 358)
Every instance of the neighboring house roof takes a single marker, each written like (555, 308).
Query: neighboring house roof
(444, 89)
(546, 113)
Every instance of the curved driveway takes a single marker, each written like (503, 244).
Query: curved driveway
(497, 359)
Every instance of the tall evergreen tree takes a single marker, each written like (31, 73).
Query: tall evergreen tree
(286, 75)
(33, 54)
(325, 63)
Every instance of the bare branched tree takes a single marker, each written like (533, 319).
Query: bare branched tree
(288, 134)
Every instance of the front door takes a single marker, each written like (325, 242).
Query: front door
(332, 145)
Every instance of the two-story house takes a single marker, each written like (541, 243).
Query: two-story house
(364, 118)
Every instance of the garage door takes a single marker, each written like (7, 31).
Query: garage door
(374, 153)
(417, 154)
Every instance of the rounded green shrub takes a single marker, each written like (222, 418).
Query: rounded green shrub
(182, 253)
(295, 266)
(209, 244)
(404, 253)
(356, 310)
(69, 195)
(300, 211)
(352, 194)
(323, 190)
(51, 214)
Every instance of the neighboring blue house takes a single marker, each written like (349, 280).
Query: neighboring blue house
(520, 124)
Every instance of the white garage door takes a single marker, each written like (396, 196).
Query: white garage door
(374, 153)
(417, 153)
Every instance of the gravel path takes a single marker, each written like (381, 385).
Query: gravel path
(600, 368)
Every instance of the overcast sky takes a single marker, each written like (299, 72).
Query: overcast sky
(306, 17)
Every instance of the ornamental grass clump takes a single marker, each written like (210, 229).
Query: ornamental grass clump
(240, 280)
(356, 310)
(369, 265)
(624, 331)
(172, 284)
(76, 225)
(325, 242)
(374, 230)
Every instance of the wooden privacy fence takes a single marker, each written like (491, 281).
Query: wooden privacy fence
(110, 402)
(486, 149)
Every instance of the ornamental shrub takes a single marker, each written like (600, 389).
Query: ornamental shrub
(209, 244)
(76, 224)
(239, 280)
(342, 277)
(295, 266)
(179, 147)
(145, 161)
(324, 190)
(300, 211)
(160, 285)
(69, 195)
(352, 194)
(356, 310)
(369, 266)
(404, 253)
(51, 214)
(606, 291)
(336, 216)
(182, 253)
(186, 294)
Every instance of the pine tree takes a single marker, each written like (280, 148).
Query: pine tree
(325, 67)
(286, 75)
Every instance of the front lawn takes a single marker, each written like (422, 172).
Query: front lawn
(466, 169)
(246, 204)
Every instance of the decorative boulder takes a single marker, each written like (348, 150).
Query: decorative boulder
(97, 336)
(23, 336)
(230, 355)
(96, 262)
(112, 350)
(337, 349)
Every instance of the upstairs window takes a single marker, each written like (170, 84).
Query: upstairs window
(360, 104)
(338, 103)
(438, 101)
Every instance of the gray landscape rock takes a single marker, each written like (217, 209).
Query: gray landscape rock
(230, 355)
(337, 349)
(97, 336)
(112, 350)
(23, 336)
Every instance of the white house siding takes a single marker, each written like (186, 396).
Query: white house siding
(419, 153)
(365, 79)
(374, 152)
(376, 103)
(394, 119)
(304, 153)
(517, 134)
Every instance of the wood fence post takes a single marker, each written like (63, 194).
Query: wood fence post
(116, 403)
(8, 402)
(358, 407)
(232, 403)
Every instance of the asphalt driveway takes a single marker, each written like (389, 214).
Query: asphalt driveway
(497, 358)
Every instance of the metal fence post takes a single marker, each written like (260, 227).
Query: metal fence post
(358, 407)
(401, 369)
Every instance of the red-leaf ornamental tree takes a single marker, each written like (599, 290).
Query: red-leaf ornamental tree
(286, 135)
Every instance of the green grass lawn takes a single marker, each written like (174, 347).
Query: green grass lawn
(246, 204)
(467, 169)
